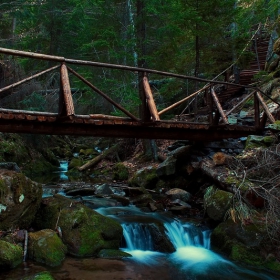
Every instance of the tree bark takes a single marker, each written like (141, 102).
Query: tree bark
(97, 159)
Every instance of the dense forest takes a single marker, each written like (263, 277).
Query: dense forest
(195, 37)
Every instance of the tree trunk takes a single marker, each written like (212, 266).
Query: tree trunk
(97, 159)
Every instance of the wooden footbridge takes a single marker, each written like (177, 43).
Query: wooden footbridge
(149, 125)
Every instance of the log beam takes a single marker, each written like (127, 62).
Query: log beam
(150, 99)
(66, 90)
(219, 107)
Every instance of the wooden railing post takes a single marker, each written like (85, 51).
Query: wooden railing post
(66, 101)
(262, 102)
(145, 114)
(150, 99)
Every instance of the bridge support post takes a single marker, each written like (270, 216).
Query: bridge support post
(145, 114)
(65, 101)
(150, 99)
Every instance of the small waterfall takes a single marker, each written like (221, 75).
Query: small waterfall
(187, 235)
(137, 237)
(63, 168)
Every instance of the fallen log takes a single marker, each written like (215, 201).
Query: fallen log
(97, 159)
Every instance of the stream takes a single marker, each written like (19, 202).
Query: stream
(192, 259)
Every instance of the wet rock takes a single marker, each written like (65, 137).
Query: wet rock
(81, 192)
(10, 255)
(123, 200)
(243, 242)
(160, 241)
(255, 141)
(113, 254)
(19, 200)
(141, 200)
(46, 247)
(217, 203)
(84, 231)
(167, 168)
(144, 178)
(177, 193)
(104, 189)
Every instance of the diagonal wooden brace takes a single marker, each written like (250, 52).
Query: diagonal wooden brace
(219, 107)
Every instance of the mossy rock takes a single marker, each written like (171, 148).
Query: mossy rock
(217, 202)
(44, 275)
(84, 231)
(10, 255)
(144, 178)
(167, 168)
(120, 172)
(75, 163)
(239, 241)
(20, 199)
(254, 141)
(88, 152)
(274, 126)
(113, 254)
(46, 247)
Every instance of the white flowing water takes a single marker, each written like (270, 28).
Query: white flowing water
(192, 259)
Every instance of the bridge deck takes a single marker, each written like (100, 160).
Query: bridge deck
(92, 125)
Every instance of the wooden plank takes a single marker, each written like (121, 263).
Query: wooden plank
(150, 99)
(66, 90)
(219, 107)
(31, 117)
(269, 115)
(41, 118)
(20, 117)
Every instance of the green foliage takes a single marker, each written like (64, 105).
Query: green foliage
(34, 102)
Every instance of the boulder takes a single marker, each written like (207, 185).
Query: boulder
(244, 242)
(167, 168)
(160, 240)
(10, 255)
(144, 178)
(180, 194)
(104, 189)
(46, 247)
(217, 202)
(84, 231)
(19, 200)
(255, 141)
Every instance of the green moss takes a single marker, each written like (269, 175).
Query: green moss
(145, 178)
(44, 275)
(10, 255)
(246, 255)
(74, 163)
(120, 172)
(46, 247)
(113, 254)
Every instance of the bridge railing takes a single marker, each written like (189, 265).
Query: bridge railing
(150, 112)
